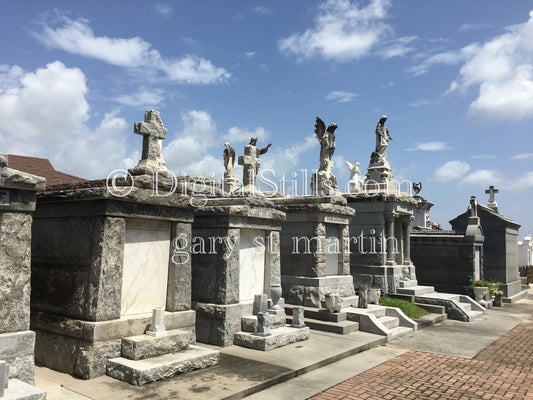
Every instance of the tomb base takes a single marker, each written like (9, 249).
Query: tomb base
(384, 277)
(81, 348)
(311, 291)
(140, 372)
(217, 323)
(278, 337)
(19, 390)
(16, 349)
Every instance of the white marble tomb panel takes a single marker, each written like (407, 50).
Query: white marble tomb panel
(332, 250)
(145, 272)
(251, 263)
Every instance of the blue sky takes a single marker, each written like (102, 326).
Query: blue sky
(455, 79)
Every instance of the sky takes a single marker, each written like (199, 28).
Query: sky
(455, 79)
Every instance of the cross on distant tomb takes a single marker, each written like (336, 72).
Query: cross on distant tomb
(492, 202)
(153, 133)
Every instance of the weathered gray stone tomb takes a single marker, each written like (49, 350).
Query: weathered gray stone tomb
(17, 202)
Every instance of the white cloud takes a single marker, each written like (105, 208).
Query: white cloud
(239, 135)
(484, 156)
(473, 27)
(341, 96)
(524, 182)
(343, 31)
(282, 159)
(263, 10)
(142, 98)
(422, 103)
(77, 37)
(49, 107)
(500, 70)
(452, 170)
(250, 54)
(430, 146)
(523, 156)
(483, 177)
(164, 9)
(186, 152)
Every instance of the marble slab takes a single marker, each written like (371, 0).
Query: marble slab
(251, 263)
(146, 258)
(333, 245)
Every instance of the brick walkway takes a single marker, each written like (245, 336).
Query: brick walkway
(504, 370)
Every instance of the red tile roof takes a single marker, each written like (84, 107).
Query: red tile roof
(41, 167)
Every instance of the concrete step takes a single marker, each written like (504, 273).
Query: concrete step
(389, 322)
(395, 333)
(475, 314)
(140, 372)
(410, 283)
(416, 290)
(430, 319)
(320, 314)
(434, 309)
(467, 306)
(144, 346)
(377, 310)
(341, 327)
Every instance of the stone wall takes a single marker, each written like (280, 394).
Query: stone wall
(445, 261)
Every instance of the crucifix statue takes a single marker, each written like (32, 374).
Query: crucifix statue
(153, 133)
(492, 202)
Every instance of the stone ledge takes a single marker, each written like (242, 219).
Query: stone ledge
(105, 330)
(18, 390)
(144, 346)
(332, 280)
(278, 338)
(140, 372)
(249, 322)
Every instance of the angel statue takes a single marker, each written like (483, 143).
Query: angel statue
(323, 182)
(230, 181)
(356, 179)
(382, 138)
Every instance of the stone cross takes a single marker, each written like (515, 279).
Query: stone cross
(153, 132)
(491, 192)
(158, 322)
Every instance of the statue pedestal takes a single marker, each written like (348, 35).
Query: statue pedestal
(379, 179)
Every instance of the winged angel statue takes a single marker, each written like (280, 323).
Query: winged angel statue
(323, 182)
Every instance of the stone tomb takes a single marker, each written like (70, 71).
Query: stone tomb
(101, 263)
(380, 245)
(449, 260)
(17, 194)
(315, 258)
(500, 261)
(235, 256)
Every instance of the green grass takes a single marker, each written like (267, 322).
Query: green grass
(409, 309)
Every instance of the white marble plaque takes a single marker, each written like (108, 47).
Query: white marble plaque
(332, 250)
(252, 263)
(145, 273)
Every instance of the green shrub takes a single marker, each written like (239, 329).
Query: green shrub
(411, 310)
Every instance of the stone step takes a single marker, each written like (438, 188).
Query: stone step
(341, 328)
(410, 283)
(467, 306)
(389, 322)
(377, 310)
(278, 337)
(320, 314)
(475, 314)
(432, 308)
(416, 290)
(145, 346)
(140, 372)
(395, 333)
